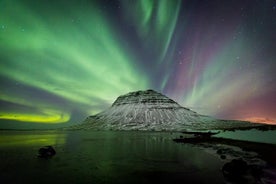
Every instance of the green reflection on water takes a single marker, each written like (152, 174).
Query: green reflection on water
(8, 139)
(104, 157)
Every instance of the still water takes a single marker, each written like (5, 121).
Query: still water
(104, 157)
(250, 135)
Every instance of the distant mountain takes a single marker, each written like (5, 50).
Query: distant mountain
(151, 111)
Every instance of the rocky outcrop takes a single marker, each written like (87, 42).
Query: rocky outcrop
(150, 110)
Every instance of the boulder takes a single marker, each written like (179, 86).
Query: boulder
(238, 171)
(46, 152)
(235, 169)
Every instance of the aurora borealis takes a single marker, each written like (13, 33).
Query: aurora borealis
(61, 61)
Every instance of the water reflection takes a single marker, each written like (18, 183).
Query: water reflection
(111, 157)
(104, 157)
(22, 139)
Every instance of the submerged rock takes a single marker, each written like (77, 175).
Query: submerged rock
(46, 152)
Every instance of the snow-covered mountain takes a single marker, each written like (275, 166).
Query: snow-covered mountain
(150, 110)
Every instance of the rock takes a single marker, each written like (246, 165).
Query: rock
(235, 171)
(256, 171)
(238, 171)
(46, 152)
(223, 157)
(235, 168)
(220, 151)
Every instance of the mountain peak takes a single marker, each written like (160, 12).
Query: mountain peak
(147, 97)
(140, 93)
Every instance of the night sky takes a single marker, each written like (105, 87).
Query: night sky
(61, 61)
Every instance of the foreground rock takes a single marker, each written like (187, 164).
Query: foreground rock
(46, 152)
(151, 111)
(238, 171)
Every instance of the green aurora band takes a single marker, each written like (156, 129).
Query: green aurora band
(61, 61)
